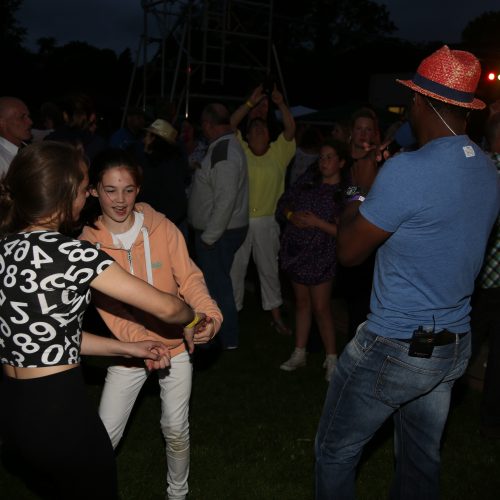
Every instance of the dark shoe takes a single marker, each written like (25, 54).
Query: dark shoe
(281, 328)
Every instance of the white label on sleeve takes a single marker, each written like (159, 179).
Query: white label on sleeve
(469, 151)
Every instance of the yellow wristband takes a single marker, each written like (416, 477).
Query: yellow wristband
(289, 214)
(195, 321)
(249, 104)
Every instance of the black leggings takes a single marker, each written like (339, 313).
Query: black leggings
(54, 439)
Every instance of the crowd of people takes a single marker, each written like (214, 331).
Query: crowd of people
(160, 221)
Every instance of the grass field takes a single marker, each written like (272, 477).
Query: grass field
(253, 428)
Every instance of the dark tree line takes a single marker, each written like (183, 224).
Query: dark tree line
(327, 51)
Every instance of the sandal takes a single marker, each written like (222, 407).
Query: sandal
(281, 328)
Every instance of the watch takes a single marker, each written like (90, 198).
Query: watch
(355, 193)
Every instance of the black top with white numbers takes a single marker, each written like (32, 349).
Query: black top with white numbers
(44, 291)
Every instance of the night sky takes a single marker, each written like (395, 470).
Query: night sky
(118, 24)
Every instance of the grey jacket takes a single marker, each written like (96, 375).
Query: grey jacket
(219, 196)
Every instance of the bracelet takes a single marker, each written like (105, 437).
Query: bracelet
(195, 321)
(354, 190)
(356, 197)
(289, 214)
(249, 104)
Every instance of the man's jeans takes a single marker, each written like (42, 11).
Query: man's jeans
(215, 261)
(373, 380)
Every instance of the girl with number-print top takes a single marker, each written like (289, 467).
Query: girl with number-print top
(150, 246)
(52, 437)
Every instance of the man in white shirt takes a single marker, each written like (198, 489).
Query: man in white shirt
(15, 128)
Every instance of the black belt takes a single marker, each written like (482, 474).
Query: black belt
(444, 337)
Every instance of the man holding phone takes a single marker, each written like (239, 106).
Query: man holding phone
(428, 214)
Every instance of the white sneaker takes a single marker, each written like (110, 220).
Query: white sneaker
(329, 364)
(297, 360)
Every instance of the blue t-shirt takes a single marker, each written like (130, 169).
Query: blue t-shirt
(440, 203)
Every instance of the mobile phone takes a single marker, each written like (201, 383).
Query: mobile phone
(268, 85)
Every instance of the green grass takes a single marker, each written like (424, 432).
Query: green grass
(253, 428)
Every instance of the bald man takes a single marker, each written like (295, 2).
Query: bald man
(15, 129)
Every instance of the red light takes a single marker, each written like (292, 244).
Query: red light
(491, 76)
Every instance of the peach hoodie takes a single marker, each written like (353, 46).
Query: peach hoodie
(169, 268)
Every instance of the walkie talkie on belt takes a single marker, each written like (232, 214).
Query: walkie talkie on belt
(422, 343)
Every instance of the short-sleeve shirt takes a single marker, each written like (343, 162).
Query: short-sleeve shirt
(266, 175)
(440, 203)
(44, 291)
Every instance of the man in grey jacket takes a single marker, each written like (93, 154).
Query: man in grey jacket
(218, 212)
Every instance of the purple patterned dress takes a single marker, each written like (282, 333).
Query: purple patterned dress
(307, 255)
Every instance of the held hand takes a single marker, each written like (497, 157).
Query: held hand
(204, 331)
(154, 353)
(299, 219)
(190, 332)
(310, 219)
(162, 362)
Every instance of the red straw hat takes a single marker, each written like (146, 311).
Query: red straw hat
(448, 75)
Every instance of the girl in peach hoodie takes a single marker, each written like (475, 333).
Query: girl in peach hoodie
(149, 246)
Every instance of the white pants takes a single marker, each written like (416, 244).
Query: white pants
(120, 391)
(263, 242)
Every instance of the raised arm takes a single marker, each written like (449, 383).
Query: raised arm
(240, 113)
(356, 237)
(288, 120)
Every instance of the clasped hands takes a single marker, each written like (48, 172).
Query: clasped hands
(156, 355)
(200, 333)
(304, 219)
(258, 94)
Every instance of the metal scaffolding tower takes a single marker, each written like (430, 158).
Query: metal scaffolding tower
(203, 49)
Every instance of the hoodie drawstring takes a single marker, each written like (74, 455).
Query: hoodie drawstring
(147, 255)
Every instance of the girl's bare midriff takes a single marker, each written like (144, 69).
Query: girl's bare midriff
(27, 373)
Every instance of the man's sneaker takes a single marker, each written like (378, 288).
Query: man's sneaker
(329, 364)
(297, 360)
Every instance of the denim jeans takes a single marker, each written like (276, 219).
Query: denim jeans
(215, 261)
(373, 380)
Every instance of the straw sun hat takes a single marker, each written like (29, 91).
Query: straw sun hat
(164, 130)
(450, 76)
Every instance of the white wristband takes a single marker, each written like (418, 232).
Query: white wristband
(357, 197)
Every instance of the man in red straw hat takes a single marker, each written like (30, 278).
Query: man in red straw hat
(429, 214)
